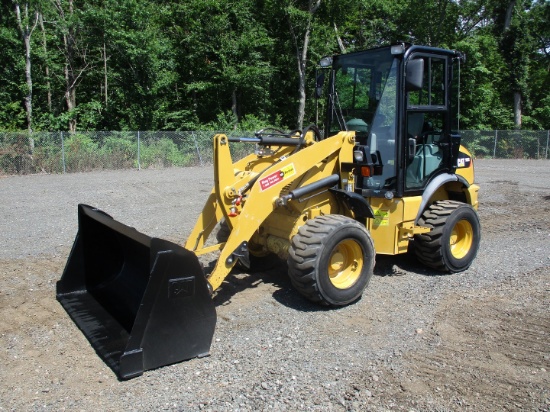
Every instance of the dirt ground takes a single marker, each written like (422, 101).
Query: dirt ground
(483, 343)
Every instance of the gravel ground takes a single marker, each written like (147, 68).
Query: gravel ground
(417, 340)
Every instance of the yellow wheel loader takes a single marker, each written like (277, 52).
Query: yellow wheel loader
(387, 173)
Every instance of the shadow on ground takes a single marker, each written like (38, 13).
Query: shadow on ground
(242, 279)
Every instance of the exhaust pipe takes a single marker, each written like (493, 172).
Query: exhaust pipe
(141, 302)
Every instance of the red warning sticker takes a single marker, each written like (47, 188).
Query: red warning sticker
(277, 177)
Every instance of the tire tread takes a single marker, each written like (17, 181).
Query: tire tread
(428, 247)
(303, 253)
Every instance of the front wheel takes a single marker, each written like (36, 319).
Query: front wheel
(331, 260)
(453, 243)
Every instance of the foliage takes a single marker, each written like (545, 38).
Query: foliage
(162, 153)
(81, 153)
(84, 151)
(481, 104)
(192, 65)
(14, 153)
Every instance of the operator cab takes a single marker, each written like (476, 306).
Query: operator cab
(399, 101)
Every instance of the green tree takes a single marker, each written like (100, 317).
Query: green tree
(539, 70)
(129, 64)
(12, 112)
(519, 26)
(481, 105)
(224, 65)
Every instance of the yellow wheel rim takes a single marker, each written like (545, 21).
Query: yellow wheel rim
(461, 239)
(345, 264)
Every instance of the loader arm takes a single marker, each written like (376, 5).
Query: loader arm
(246, 208)
(212, 212)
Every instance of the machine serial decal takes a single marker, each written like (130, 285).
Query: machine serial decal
(277, 177)
(463, 161)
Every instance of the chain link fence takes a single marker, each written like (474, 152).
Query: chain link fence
(507, 144)
(62, 152)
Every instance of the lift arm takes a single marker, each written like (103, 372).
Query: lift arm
(248, 191)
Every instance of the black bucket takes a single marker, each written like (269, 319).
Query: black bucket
(142, 302)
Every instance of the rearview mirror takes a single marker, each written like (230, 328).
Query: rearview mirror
(414, 75)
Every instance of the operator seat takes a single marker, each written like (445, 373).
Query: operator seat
(415, 170)
(361, 129)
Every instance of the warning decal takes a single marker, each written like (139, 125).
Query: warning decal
(382, 218)
(277, 177)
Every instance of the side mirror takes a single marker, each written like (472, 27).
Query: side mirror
(414, 75)
(319, 82)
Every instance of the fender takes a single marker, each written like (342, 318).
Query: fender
(355, 202)
(432, 187)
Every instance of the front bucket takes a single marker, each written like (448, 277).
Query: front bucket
(142, 302)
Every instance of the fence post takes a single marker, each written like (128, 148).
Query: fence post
(197, 147)
(547, 138)
(495, 147)
(63, 152)
(139, 165)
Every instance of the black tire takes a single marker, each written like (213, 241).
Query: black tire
(453, 243)
(337, 239)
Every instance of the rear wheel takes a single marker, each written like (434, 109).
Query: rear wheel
(453, 243)
(331, 260)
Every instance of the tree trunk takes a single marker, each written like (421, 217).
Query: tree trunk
(105, 74)
(47, 69)
(75, 57)
(26, 33)
(508, 16)
(517, 92)
(339, 39)
(302, 80)
(517, 110)
(234, 108)
(70, 82)
(70, 78)
(301, 58)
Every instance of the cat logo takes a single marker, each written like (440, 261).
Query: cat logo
(463, 162)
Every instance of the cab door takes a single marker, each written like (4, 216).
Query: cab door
(427, 123)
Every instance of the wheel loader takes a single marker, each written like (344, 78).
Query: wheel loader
(387, 174)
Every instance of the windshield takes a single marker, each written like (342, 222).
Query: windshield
(363, 98)
(359, 86)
